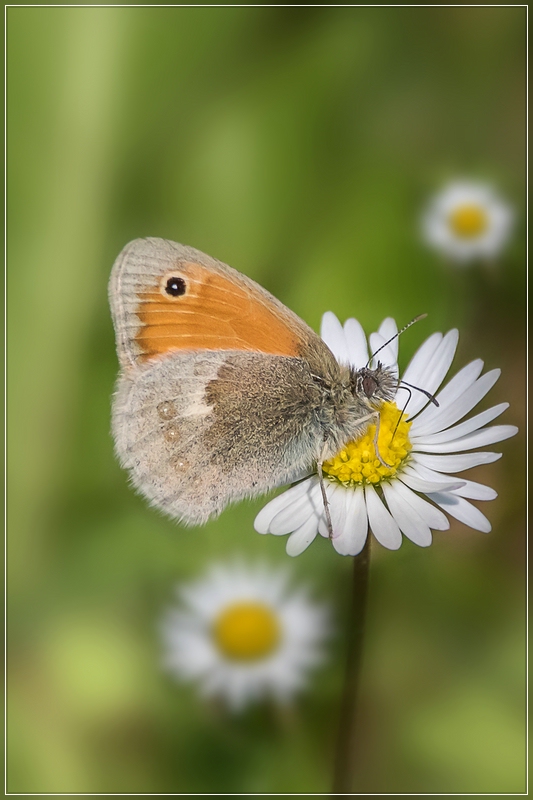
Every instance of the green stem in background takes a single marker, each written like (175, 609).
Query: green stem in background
(343, 779)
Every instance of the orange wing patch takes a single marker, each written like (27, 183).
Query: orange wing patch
(213, 313)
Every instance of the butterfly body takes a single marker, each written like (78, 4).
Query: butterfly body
(224, 393)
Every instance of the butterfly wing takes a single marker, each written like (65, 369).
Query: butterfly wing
(218, 396)
(166, 297)
(197, 431)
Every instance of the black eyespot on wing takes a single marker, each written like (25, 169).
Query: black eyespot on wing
(175, 287)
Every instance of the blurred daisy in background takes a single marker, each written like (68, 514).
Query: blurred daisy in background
(467, 221)
(422, 445)
(244, 635)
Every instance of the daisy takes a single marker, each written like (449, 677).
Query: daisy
(467, 221)
(422, 446)
(243, 635)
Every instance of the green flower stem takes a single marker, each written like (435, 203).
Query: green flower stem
(344, 774)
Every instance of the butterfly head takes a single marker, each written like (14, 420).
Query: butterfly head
(374, 386)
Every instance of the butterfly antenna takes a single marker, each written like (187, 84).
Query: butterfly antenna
(418, 389)
(416, 319)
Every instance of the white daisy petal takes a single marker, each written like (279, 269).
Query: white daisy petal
(463, 428)
(323, 527)
(432, 516)
(197, 600)
(427, 474)
(389, 330)
(332, 333)
(412, 475)
(409, 522)
(302, 537)
(384, 527)
(295, 514)
(389, 354)
(338, 507)
(462, 510)
(496, 433)
(433, 375)
(475, 491)
(460, 382)
(421, 360)
(356, 343)
(334, 495)
(192, 642)
(351, 540)
(441, 361)
(455, 463)
(443, 417)
(277, 504)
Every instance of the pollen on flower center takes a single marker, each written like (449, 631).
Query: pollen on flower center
(357, 463)
(468, 221)
(247, 631)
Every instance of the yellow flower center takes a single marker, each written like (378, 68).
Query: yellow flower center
(468, 221)
(247, 631)
(357, 463)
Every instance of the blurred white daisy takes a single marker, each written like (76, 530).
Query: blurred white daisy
(467, 221)
(422, 450)
(243, 634)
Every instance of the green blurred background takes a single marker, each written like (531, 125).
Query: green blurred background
(298, 145)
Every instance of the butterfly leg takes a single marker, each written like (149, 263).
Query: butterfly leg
(374, 417)
(325, 501)
(377, 417)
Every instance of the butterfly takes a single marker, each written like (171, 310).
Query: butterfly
(223, 392)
